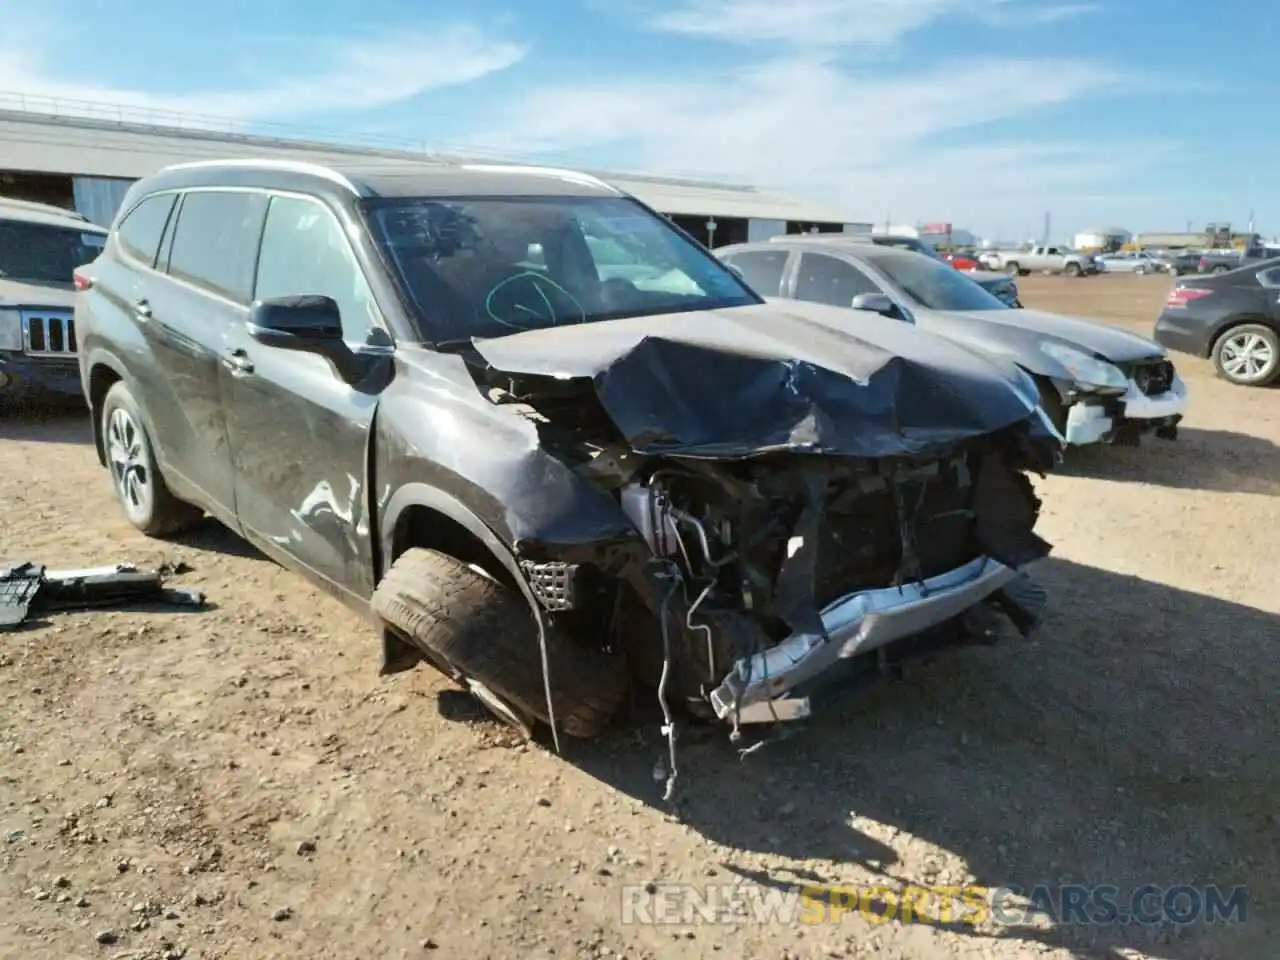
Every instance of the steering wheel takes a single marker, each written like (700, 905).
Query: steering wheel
(618, 292)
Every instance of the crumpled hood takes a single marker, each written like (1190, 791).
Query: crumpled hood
(17, 293)
(780, 376)
(1108, 342)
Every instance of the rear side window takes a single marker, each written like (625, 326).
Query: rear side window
(1269, 277)
(215, 243)
(140, 231)
(761, 269)
(41, 253)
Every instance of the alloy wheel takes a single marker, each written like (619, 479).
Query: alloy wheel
(130, 463)
(1246, 357)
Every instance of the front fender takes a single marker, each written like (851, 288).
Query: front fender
(437, 435)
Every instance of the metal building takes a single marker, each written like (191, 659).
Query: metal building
(87, 164)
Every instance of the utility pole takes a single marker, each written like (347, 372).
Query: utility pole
(1044, 239)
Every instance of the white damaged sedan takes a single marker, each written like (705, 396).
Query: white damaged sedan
(1098, 384)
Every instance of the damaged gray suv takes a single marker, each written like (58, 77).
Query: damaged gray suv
(549, 443)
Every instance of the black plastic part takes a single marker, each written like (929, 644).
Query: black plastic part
(29, 588)
(18, 587)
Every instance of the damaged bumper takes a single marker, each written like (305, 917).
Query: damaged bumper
(759, 688)
(1126, 417)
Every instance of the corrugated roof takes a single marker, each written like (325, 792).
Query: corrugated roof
(42, 143)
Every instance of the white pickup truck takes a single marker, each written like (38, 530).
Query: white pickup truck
(1040, 259)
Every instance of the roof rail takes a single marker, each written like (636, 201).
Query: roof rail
(573, 176)
(272, 163)
(36, 207)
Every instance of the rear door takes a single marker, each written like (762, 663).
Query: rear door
(208, 256)
(298, 432)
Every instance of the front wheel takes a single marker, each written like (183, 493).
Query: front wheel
(1248, 355)
(139, 486)
(485, 631)
(1219, 269)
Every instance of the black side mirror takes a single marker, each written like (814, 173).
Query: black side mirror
(875, 303)
(307, 324)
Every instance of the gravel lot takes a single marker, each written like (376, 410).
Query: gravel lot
(239, 782)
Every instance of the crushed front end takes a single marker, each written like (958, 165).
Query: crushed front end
(1152, 401)
(787, 580)
(797, 523)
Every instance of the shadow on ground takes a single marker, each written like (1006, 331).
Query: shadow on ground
(46, 423)
(1135, 741)
(1223, 461)
(211, 535)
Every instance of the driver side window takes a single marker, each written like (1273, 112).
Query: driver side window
(824, 279)
(304, 252)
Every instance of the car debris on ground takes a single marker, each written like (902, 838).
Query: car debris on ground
(30, 589)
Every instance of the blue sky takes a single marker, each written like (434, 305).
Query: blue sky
(985, 113)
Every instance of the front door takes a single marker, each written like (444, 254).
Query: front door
(299, 434)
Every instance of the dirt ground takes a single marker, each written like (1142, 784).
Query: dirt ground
(240, 782)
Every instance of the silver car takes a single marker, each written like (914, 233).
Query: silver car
(1098, 384)
(1139, 263)
(40, 247)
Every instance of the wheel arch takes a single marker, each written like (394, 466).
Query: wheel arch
(105, 371)
(419, 515)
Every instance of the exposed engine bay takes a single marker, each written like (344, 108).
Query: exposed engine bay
(739, 559)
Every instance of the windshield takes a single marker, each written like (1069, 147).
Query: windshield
(487, 267)
(908, 243)
(935, 285)
(39, 253)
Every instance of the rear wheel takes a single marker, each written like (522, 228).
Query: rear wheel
(1220, 268)
(1073, 270)
(140, 488)
(464, 619)
(1013, 269)
(1248, 355)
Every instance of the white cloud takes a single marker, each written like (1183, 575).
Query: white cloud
(844, 23)
(349, 76)
(867, 142)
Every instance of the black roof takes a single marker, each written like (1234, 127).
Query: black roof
(381, 180)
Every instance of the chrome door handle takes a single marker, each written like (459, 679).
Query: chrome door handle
(237, 361)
